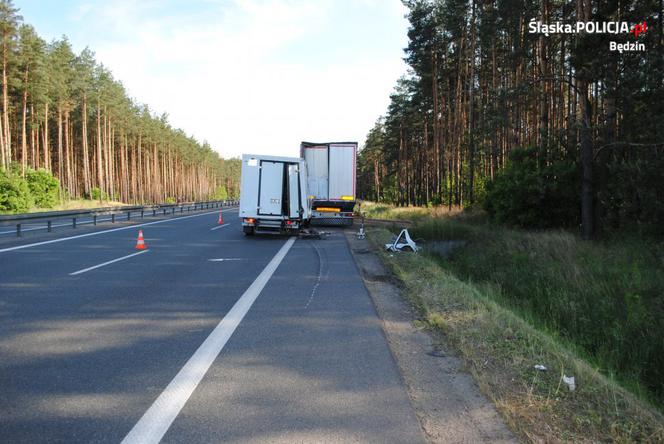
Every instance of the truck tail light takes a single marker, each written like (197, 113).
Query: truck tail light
(249, 220)
(289, 222)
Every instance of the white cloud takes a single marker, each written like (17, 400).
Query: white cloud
(232, 72)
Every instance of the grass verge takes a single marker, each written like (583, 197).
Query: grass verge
(501, 348)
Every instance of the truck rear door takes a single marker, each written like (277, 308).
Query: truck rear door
(271, 185)
(317, 180)
(342, 172)
(293, 191)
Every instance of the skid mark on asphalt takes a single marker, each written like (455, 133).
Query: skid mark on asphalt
(318, 278)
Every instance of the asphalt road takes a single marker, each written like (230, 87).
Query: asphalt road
(208, 336)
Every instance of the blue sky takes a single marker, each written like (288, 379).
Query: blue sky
(249, 76)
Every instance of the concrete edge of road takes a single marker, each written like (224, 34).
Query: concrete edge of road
(447, 401)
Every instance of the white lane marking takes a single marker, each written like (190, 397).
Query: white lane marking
(226, 259)
(62, 239)
(107, 263)
(156, 421)
(220, 226)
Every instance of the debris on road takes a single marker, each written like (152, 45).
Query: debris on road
(571, 384)
(540, 367)
(312, 233)
(403, 242)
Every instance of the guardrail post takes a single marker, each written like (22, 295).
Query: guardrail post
(94, 219)
(73, 222)
(173, 210)
(113, 218)
(142, 213)
(128, 215)
(154, 212)
(181, 210)
(18, 230)
(48, 226)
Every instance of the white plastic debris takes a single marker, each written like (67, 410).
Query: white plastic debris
(569, 380)
(540, 367)
(361, 234)
(403, 242)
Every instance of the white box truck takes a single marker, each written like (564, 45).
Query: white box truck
(331, 181)
(273, 194)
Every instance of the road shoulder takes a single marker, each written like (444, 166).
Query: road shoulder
(448, 403)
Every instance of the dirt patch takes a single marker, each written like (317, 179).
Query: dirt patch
(447, 401)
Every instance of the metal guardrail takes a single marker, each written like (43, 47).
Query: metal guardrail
(94, 213)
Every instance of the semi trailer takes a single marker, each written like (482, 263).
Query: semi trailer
(331, 181)
(273, 194)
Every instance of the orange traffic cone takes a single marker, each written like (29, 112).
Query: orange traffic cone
(221, 218)
(140, 244)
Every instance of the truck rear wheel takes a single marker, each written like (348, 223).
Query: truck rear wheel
(248, 231)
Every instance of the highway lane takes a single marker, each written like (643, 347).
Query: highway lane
(83, 357)
(309, 363)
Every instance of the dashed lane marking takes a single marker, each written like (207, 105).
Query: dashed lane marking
(107, 263)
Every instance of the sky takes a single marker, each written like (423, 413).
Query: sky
(248, 76)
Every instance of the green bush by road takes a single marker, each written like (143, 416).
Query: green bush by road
(19, 194)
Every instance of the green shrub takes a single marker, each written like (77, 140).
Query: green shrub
(634, 195)
(220, 193)
(43, 187)
(170, 200)
(14, 193)
(531, 194)
(96, 194)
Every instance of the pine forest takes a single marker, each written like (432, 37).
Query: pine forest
(543, 130)
(63, 113)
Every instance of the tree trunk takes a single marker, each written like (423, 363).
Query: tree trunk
(87, 186)
(24, 132)
(45, 143)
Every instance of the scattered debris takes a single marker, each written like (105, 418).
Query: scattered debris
(311, 233)
(569, 380)
(361, 234)
(437, 353)
(540, 367)
(403, 242)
